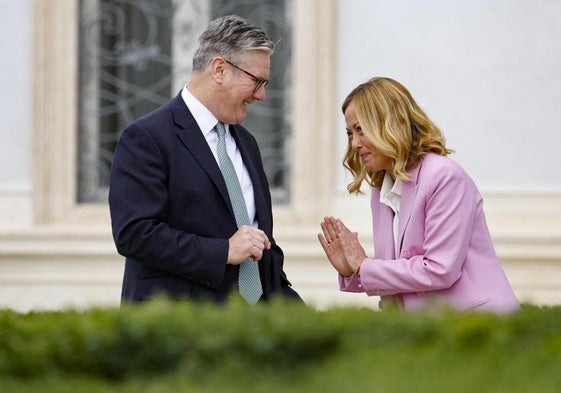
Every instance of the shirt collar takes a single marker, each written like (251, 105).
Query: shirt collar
(204, 118)
(390, 193)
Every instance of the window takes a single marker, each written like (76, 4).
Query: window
(301, 176)
(136, 55)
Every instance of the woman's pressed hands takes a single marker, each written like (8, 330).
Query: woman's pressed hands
(331, 244)
(353, 251)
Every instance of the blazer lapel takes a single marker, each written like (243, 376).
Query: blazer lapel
(382, 216)
(191, 136)
(408, 195)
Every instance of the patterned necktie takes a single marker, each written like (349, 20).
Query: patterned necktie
(248, 280)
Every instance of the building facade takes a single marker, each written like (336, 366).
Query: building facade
(488, 72)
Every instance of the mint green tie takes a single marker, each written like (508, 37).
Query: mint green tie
(248, 280)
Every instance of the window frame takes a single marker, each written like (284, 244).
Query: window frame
(55, 134)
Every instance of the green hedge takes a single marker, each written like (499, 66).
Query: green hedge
(178, 346)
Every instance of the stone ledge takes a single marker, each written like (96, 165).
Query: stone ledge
(297, 243)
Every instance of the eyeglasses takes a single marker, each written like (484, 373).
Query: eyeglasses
(258, 81)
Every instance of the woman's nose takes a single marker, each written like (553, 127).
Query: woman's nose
(355, 142)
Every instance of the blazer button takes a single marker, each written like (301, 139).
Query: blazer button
(405, 253)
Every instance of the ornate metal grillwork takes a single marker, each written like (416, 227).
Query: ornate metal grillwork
(136, 54)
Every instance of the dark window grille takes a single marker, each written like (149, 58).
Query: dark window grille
(134, 55)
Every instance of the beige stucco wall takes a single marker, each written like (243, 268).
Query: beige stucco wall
(55, 253)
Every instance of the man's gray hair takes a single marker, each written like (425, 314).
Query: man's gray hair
(230, 37)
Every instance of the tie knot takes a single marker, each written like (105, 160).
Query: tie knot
(220, 129)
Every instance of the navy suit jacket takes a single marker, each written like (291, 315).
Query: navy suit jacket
(171, 214)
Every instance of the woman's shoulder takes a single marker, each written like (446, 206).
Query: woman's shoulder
(434, 162)
(443, 171)
(435, 167)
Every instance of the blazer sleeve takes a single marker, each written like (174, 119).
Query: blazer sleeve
(139, 204)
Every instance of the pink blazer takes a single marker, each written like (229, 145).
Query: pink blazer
(446, 254)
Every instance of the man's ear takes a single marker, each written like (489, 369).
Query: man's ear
(217, 68)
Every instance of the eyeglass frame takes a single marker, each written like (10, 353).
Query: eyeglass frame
(258, 81)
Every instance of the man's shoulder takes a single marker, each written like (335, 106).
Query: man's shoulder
(157, 115)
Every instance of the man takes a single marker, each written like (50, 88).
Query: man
(171, 195)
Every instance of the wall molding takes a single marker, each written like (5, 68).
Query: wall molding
(16, 208)
(63, 252)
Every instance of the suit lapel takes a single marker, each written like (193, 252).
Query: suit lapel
(408, 195)
(191, 136)
(384, 249)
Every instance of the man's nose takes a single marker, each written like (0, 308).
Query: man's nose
(260, 94)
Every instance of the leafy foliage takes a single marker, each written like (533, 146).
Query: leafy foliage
(174, 346)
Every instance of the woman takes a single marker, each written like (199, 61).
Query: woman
(432, 244)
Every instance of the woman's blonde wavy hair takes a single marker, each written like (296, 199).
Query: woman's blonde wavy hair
(395, 125)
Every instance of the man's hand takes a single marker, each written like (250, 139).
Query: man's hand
(247, 242)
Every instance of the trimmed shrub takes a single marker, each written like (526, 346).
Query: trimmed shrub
(170, 346)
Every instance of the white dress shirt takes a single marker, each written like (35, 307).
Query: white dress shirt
(206, 122)
(390, 195)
